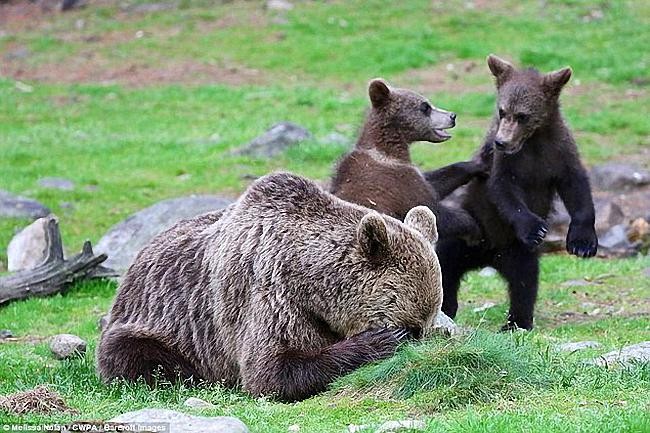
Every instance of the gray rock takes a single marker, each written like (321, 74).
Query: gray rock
(577, 345)
(124, 240)
(279, 5)
(5, 333)
(443, 325)
(488, 272)
(56, 183)
(197, 403)
(26, 249)
(64, 346)
(398, 426)
(615, 176)
(275, 140)
(608, 215)
(635, 353)
(615, 238)
(183, 423)
(103, 321)
(12, 206)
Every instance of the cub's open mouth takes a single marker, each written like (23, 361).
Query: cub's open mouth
(442, 135)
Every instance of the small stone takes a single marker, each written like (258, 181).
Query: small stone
(27, 249)
(197, 403)
(397, 426)
(293, 428)
(64, 346)
(485, 306)
(275, 140)
(575, 283)
(179, 422)
(56, 183)
(616, 239)
(5, 333)
(488, 272)
(629, 354)
(103, 321)
(443, 325)
(12, 206)
(279, 5)
(577, 345)
(23, 87)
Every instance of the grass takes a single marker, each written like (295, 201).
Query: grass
(127, 147)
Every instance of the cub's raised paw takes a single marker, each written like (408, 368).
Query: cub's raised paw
(582, 242)
(532, 232)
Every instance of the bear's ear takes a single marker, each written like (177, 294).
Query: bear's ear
(554, 81)
(499, 68)
(423, 220)
(379, 92)
(373, 236)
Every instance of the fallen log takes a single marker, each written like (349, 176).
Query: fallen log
(54, 274)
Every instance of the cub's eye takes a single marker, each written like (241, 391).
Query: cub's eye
(502, 113)
(425, 107)
(521, 117)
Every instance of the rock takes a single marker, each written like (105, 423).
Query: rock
(293, 428)
(103, 321)
(629, 354)
(26, 249)
(397, 426)
(616, 239)
(56, 183)
(279, 5)
(179, 422)
(487, 272)
(5, 333)
(197, 403)
(64, 346)
(337, 139)
(124, 240)
(485, 306)
(577, 345)
(12, 206)
(275, 140)
(443, 325)
(617, 177)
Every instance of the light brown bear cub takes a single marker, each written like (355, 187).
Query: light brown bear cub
(379, 173)
(284, 291)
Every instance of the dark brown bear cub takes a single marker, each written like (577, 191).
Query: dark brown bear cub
(379, 174)
(281, 293)
(532, 156)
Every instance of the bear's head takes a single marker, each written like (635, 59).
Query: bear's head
(526, 99)
(396, 277)
(409, 113)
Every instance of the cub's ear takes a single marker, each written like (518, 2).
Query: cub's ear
(373, 236)
(500, 68)
(423, 220)
(554, 81)
(379, 92)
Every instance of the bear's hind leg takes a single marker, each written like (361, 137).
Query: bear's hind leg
(124, 353)
(456, 258)
(296, 375)
(520, 267)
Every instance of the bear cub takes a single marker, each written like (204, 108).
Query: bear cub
(282, 292)
(532, 156)
(379, 174)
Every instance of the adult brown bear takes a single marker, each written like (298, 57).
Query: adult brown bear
(282, 292)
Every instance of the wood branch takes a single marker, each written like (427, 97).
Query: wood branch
(54, 274)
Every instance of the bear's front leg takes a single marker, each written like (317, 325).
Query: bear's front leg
(575, 192)
(508, 198)
(291, 374)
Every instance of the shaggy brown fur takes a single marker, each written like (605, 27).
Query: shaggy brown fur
(282, 292)
(532, 156)
(379, 173)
